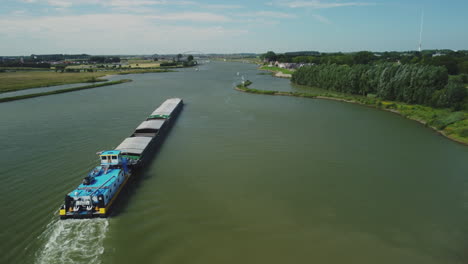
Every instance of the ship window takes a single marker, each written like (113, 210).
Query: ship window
(103, 157)
(114, 157)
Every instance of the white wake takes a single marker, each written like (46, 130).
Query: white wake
(73, 241)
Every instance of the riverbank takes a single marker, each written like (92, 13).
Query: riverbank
(142, 71)
(22, 80)
(241, 60)
(277, 71)
(26, 96)
(453, 125)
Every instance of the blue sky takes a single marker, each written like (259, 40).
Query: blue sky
(163, 26)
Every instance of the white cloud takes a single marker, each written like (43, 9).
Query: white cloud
(18, 12)
(222, 6)
(268, 14)
(191, 16)
(128, 3)
(133, 9)
(59, 3)
(261, 21)
(317, 4)
(112, 3)
(321, 19)
(131, 6)
(108, 34)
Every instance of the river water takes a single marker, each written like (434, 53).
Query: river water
(241, 178)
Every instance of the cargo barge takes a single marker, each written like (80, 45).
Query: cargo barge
(95, 196)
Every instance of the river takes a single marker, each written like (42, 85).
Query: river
(241, 178)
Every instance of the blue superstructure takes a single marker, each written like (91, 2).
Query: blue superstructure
(99, 189)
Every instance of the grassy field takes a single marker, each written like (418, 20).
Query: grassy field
(20, 80)
(451, 124)
(13, 81)
(276, 69)
(26, 96)
(243, 60)
(142, 64)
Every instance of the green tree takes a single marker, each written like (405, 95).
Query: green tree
(190, 58)
(270, 56)
(410, 83)
(463, 66)
(363, 57)
(456, 92)
(448, 62)
(415, 59)
(97, 59)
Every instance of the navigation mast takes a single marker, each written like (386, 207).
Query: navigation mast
(421, 31)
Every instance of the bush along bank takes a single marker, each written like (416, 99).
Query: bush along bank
(410, 83)
(452, 124)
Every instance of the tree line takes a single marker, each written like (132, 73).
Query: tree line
(409, 83)
(102, 59)
(24, 64)
(456, 62)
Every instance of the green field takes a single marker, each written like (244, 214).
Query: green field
(142, 64)
(20, 80)
(13, 81)
(91, 86)
(243, 60)
(276, 69)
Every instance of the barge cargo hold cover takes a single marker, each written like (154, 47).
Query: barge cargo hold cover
(95, 196)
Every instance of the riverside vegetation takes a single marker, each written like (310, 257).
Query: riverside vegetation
(419, 92)
(410, 83)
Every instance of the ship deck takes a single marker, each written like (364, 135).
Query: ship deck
(99, 186)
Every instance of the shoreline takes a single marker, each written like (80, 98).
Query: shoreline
(94, 78)
(422, 122)
(277, 74)
(283, 75)
(27, 96)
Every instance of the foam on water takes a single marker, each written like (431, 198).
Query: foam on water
(73, 241)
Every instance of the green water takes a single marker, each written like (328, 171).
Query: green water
(241, 178)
